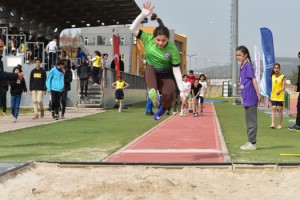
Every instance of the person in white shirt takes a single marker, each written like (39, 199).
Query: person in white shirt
(184, 95)
(51, 49)
(202, 81)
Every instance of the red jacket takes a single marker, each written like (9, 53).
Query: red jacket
(191, 79)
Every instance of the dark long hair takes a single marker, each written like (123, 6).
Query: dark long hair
(273, 72)
(161, 29)
(97, 53)
(244, 50)
(201, 76)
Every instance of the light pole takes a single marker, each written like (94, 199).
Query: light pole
(205, 63)
(218, 65)
(190, 59)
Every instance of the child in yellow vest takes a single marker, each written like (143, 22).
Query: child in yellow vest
(120, 84)
(277, 94)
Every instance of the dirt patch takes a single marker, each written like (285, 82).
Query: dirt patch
(52, 181)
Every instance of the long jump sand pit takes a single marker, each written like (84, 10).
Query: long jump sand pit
(54, 181)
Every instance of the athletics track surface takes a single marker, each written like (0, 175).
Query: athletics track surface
(178, 140)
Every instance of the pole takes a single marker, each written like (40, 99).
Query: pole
(234, 43)
(190, 56)
(205, 66)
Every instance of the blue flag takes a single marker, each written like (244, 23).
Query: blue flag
(269, 59)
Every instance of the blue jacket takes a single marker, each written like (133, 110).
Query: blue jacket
(55, 80)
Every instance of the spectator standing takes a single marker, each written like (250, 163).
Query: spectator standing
(96, 63)
(51, 49)
(3, 96)
(104, 64)
(296, 126)
(83, 73)
(120, 84)
(55, 85)
(185, 95)
(16, 89)
(67, 87)
(196, 88)
(37, 87)
(105, 61)
(80, 55)
(6, 76)
(250, 94)
(203, 82)
(277, 94)
(191, 79)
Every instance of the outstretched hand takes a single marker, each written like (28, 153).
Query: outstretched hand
(147, 9)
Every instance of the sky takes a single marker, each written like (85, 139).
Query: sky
(207, 25)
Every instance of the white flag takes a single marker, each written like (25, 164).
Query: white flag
(257, 63)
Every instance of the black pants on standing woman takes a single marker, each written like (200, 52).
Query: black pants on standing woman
(95, 75)
(55, 101)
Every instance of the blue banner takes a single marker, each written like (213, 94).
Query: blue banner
(269, 58)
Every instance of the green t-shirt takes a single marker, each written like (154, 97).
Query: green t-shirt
(162, 59)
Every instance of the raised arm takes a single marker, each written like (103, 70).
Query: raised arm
(146, 11)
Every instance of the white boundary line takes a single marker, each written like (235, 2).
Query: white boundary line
(172, 151)
(224, 149)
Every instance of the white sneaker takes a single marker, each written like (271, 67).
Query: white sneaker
(120, 110)
(27, 62)
(248, 146)
(14, 120)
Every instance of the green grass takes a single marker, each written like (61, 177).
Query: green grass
(270, 142)
(85, 139)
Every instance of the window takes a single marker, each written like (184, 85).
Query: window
(122, 56)
(92, 41)
(122, 41)
(101, 40)
(134, 40)
(109, 42)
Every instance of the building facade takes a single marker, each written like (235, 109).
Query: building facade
(100, 39)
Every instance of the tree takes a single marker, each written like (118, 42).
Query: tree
(294, 77)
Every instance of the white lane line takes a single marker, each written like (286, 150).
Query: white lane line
(172, 151)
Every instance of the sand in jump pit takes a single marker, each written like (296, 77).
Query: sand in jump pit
(53, 181)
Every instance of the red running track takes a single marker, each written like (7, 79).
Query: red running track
(178, 140)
